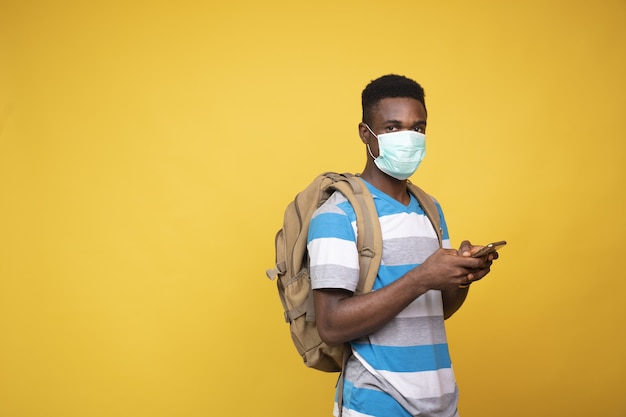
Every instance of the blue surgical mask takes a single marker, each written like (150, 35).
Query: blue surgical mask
(399, 153)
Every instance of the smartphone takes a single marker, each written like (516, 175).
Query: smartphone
(490, 248)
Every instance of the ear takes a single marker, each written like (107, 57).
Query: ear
(364, 133)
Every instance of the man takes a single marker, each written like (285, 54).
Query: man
(400, 364)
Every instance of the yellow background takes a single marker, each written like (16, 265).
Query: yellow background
(148, 149)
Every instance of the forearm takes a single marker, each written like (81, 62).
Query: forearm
(452, 300)
(342, 317)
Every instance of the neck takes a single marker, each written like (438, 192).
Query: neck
(394, 188)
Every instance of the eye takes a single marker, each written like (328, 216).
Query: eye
(391, 128)
(420, 129)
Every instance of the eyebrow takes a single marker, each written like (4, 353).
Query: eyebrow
(398, 122)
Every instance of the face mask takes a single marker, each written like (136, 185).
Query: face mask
(399, 153)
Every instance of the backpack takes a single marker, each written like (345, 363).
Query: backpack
(292, 261)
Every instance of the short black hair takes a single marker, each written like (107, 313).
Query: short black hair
(390, 85)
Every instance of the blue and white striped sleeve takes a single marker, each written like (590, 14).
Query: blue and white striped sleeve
(331, 242)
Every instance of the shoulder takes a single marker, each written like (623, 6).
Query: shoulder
(334, 218)
(338, 204)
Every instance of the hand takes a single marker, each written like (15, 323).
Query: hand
(466, 249)
(447, 269)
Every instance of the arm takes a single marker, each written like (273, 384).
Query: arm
(342, 317)
(454, 298)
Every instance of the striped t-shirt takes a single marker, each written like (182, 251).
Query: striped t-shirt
(403, 369)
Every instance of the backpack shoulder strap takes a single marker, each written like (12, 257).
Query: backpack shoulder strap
(369, 245)
(428, 204)
(369, 236)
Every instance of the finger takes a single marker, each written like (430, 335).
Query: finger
(482, 273)
(466, 248)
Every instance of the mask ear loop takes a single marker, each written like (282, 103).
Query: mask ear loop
(370, 152)
(368, 145)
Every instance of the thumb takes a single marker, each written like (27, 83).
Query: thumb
(466, 248)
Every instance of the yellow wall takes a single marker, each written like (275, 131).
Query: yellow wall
(147, 150)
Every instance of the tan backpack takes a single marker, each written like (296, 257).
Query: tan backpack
(292, 261)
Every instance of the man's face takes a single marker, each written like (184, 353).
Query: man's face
(394, 114)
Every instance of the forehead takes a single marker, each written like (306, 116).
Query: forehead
(398, 108)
